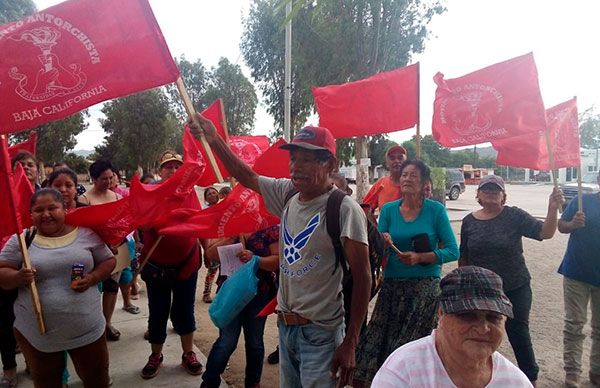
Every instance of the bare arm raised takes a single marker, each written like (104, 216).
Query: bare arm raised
(236, 166)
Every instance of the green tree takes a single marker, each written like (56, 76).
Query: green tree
(226, 81)
(332, 42)
(377, 148)
(195, 77)
(589, 129)
(77, 163)
(56, 138)
(11, 10)
(139, 128)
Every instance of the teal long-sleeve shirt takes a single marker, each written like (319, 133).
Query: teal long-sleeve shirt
(432, 220)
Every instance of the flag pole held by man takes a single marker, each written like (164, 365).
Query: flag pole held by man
(310, 301)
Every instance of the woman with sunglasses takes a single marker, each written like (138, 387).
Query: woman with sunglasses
(492, 238)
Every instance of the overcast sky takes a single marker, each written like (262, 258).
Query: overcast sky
(563, 36)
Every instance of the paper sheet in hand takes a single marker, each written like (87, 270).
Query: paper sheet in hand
(229, 261)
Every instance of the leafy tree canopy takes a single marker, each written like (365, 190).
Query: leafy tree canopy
(11, 10)
(589, 129)
(139, 128)
(226, 81)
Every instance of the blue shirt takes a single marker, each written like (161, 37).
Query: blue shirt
(582, 258)
(432, 220)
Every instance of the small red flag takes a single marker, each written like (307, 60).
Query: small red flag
(497, 102)
(215, 113)
(76, 54)
(111, 221)
(242, 211)
(15, 195)
(269, 308)
(275, 162)
(531, 151)
(385, 102)
(28, 145)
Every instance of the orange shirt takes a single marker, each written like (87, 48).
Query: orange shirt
(388, 192)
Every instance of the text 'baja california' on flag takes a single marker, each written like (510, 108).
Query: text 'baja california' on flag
(385, 102)
(78, 53)
(499, 101)
(531, 151)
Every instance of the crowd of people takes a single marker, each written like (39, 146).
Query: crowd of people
(425, 330)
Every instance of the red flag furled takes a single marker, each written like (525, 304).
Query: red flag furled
(242, 211)
(76, 54)
(146, 205)
(15, 194)
(28, 145)
(497, 102)
(531, 151)
(385, 102)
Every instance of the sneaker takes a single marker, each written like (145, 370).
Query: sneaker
(190, 363)
(273, 358)
(595, 379)
(152, 366)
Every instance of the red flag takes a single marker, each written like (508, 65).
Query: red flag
(15, 195)
(269, 308)
(216, 113)
(111, 221)
(153, 203)
(28, 145)
(76, 54)
(385, 102)
(275, 162)
(242, 211)
(497, 102)
(531, 151)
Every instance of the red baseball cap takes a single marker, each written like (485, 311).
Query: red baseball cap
(312, 138)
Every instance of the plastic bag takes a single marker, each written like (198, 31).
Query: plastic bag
(237, 291)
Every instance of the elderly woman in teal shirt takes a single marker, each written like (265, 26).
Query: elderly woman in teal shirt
(407, 304)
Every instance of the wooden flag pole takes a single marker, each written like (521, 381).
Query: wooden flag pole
(150, 252)
(552, 163)
(191, 112)
(35, 297)
(579, 192)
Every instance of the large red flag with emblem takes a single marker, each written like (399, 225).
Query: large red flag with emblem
(385, 102)
(76, 54)
(497, 102)
(15, 194)
(531, 151)
(28, 145)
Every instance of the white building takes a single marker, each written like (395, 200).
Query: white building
(590, 160)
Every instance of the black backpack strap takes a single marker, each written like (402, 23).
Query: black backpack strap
(29, 236)
(332, 218)
(289, 196)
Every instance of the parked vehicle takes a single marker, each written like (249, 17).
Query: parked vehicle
(455, 183)
(589, 184)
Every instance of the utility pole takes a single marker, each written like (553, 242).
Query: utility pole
(287, 95)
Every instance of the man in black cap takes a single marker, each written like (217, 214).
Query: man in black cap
(461, 352)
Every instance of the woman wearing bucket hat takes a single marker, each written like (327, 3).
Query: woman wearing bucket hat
(491, 237)
(461, 352)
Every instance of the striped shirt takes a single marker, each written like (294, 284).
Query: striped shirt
(417, 364)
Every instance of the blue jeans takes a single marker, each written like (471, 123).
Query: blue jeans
(180, 308)
(517, 331)
(224, 346)
(305, 355)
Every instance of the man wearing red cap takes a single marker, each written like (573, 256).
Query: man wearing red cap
(312, 345)
(387, 189)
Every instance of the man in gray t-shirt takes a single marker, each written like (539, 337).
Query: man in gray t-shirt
(310, 301)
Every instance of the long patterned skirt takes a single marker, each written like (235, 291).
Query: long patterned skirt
(406, 310)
